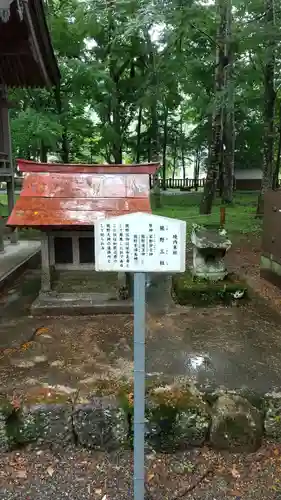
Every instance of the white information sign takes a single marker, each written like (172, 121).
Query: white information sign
(140, 242)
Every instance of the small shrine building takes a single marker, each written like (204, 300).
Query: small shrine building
(63, 202)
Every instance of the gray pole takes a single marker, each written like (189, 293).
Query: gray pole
(139, 384)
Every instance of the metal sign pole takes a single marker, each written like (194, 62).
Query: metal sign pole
(139, 384)
(140, 243)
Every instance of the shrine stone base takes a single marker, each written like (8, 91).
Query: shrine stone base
(16, 258)
(73, 304)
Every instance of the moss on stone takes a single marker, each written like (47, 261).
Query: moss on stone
(201, 292)
(236, 424)
(52, 398)
(6, 407)
(101, 425)
(179, 397)
(272, 421)
(177, 417)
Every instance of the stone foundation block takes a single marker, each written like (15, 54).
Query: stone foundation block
(236, 424)
(176, 418)
(49, 424)
(101, 424)
(4, 439)
(272, 420)
(6, 410)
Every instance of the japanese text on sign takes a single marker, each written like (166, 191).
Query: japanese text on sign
(140, 242)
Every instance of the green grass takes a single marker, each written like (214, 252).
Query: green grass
(4, 204)
(240, 216)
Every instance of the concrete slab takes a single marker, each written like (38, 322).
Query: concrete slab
(89, 292)
(15, 257)
(70, 304)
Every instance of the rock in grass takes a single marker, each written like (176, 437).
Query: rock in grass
(177, 417)
(100, 424)
(236, 424)
(272, 421)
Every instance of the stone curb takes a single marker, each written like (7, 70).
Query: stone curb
(177, 417)
(32, 261)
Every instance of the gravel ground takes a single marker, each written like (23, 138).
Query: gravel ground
(196, 474)
(244, 258)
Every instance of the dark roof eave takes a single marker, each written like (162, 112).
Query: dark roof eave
(56, 75)
(27, 62)
(52, 79)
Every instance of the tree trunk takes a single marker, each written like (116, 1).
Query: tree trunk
(165, 139)
(217, 118)
(174, 163)
(138, 148)
(154, 132)
(174, 168)
(183, 163)
(115, 72)
(116, 124)
(64, 146)
(43, 153)
(229, 124)
(269, 105)
(154, 142)
(149, 149)
(182, 150)
(175, 158)
(196, 169)
(154, 153)
(64, 138)
(275, 183)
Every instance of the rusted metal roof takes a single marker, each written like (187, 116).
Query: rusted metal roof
(26, 54)
(142, 168)
(78, 198)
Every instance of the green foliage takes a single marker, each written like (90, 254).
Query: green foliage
(32, 128)
(128, 66)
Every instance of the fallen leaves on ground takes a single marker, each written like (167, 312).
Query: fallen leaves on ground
(21, 474)
(41, 330)
(50, 471)
(26, 346)
(234, 472)
(219, 475)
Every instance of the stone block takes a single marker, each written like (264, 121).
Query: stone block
(4, 439)
(209, 248)
(6, 411)
(236, 424)
(49, 424)
(100, 424)
(177, 418)
(272, 420)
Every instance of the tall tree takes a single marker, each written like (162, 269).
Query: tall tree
(215, 158)
(229, 118)
(269, 102)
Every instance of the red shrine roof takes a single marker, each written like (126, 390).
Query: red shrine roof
(26, 54)
(55, 195)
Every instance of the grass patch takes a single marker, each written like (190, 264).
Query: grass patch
(240, 216)
(4, 212)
